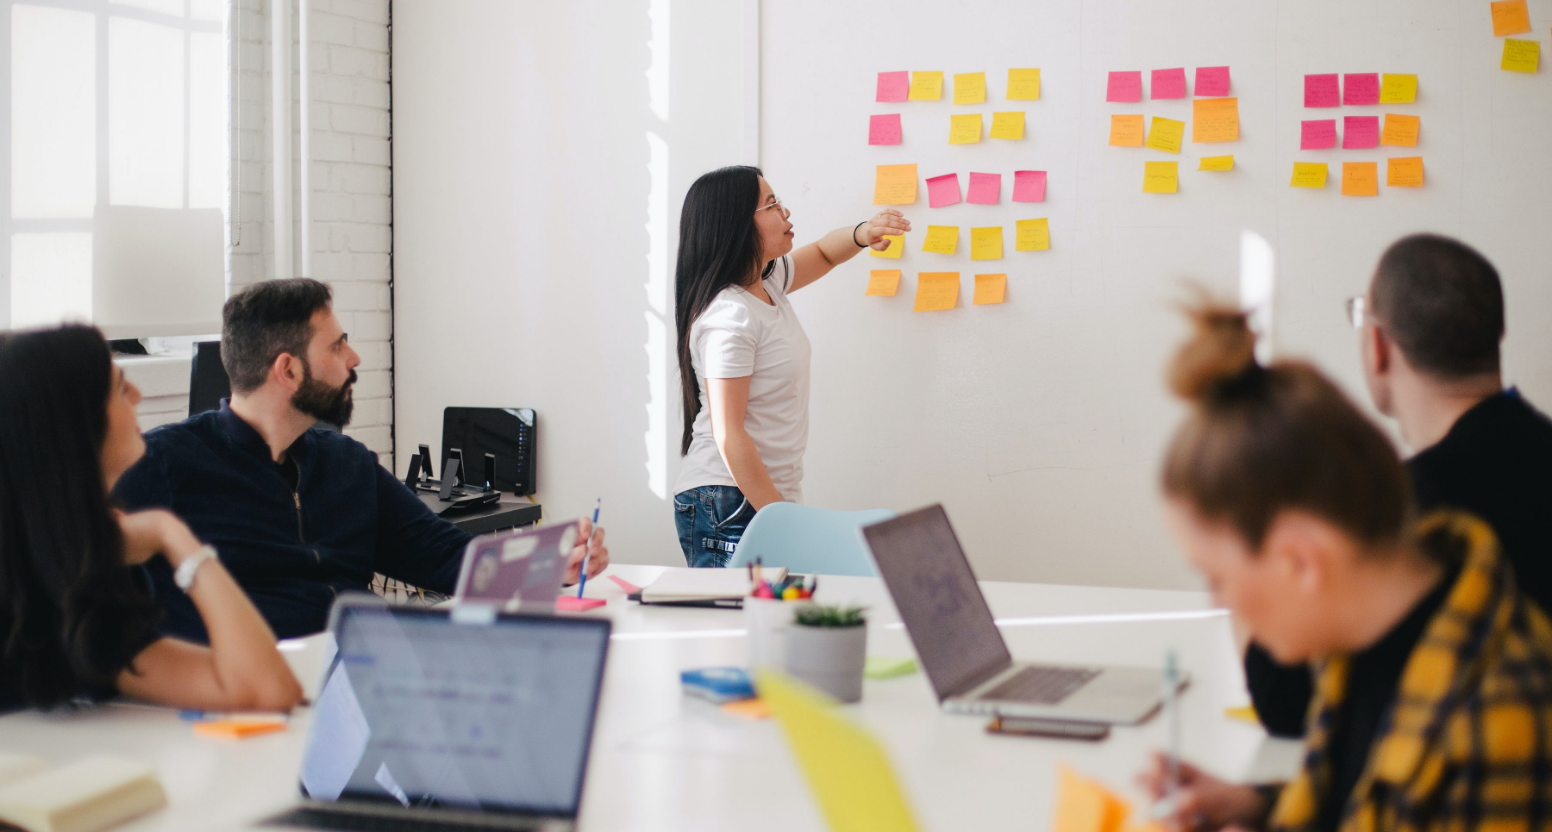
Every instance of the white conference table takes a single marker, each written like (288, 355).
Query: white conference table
(664, 761)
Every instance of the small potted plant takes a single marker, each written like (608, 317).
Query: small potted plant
(827, 646)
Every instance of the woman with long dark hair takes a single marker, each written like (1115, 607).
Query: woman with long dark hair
(74, 621)
(743, 357)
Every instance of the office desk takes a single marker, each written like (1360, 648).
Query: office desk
(509, 513)
(662, 761)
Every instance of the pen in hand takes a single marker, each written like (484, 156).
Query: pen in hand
(582, 584)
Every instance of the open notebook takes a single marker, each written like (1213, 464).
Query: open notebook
(87, 796)
(681, 586)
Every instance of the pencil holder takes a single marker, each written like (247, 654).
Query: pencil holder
(829, 657)
(766, 622)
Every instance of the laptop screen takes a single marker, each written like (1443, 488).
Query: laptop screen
(942, 607)
(424, 711)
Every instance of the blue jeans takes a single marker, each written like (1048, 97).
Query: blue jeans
(711, 519)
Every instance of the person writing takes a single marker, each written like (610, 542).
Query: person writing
(743, 356)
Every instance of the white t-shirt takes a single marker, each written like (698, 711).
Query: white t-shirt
(740, 335)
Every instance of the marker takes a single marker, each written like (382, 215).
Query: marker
(582, 584)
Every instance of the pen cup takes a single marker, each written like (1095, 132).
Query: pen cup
(766, 621)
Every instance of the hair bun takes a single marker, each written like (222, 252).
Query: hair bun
(1221, 351)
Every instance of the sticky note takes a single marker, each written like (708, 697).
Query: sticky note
(1398, 89)
(1309, 175)
(887, 667)
(985, 188)
(936, 291)
(1032, 235)
(237, 729)
(943, 190)
(1125, 87)
(1008, 125)
(1360, 132)
(1084, 805)
(1521, 55)
(1023, 85)
(1212, 80)
(1361, 88)
(883, 282)
(1029, 186)
(893, 86)
(1216, 163)
(986, 243)
(1404, 172)
(1215, 120)
(1168, 83)
(1243, 713)
(893, 251)
(969, 88)
(1165, 134)
(1161, 178)
(926, 86)
(1126, 131)
(941, 239)
(1510, 17)
(965, 129)
(990, 288)
(755, 709)
(884, 129)
(571, 603)
(895, 185)
(1360, 179)
(1321, 91)
(1400, 131)
(1317, 135)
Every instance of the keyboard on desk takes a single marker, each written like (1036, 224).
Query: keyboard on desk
(1041, 685)
(308, 818)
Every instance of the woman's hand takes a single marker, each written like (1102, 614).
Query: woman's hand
(887, 222)
(1202, 801)
(155, 531)
(591, 548)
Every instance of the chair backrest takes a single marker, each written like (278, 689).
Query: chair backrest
(208, 383)
(809, 540)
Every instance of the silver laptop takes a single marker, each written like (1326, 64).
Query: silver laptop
(962, 651)
(454, 718)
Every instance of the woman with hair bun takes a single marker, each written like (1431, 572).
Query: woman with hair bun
(1433, 705)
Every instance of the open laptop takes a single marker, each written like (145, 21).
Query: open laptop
(450, 719)
(517, 570)
(962, 651)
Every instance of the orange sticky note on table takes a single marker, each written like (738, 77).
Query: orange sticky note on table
(883, 282)
(936, 291)
(1215, 120)
(1400, 131)
(1161, 178)
(1032, 235)
(1510, 17)
(755, 709)
(895, 185)
(237, 729)
(1404, 172)
(989, 288)
(895, 249)
(1084, 805)
(1309, 175)
(1126, 131)
(1360, 179)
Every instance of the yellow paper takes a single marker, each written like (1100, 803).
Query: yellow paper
(1165, 134)
(1243, 713)
(846, 768)
(986, 243)
(883, 282)
(1023, 85)
(989, 288)
(1215, 120)
(965, 129)
(969, 88)
(936, 291)
(1521, 55)
(895, 185)
(1360, 179)
(1161, 178)
(1216, 163)
(926, 86)
(1398, 89)
(1309, 175)
(1033, 235)
(896, 248)
(1008, 125)
(1404, 172)
(1400, 131)
(941, 239)
(1126, 131)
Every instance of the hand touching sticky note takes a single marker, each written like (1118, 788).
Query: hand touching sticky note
(941, 239)
(1510, 17)
(1126, 131)
(1033, 235)
(1215, 120)
(1400, 131)
(883, 283)
(986, 243)
(1216, 163)
(926, 86)
(893, 251)
(1309, 175)
(1521, 55)
(990, 288)
(1165, 134)
(1361, 88)
(1029, 186)
(1398, 89)
(965, 129)
(1008, 125)
(970, 88)
(936, 291)
(1161, 178)
(895, 185)
(1168, 83)
(1023, 85)
(1404, 172)
(1360, 179)
(985, 188)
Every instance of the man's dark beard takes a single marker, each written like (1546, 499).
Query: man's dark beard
(322, 402)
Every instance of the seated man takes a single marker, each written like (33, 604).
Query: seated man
(299, 513)
(1431, 323)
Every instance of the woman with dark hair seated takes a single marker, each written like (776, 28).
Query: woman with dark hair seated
(74, 621)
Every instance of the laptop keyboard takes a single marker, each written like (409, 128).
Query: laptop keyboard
(1041, 685)
(345, 822)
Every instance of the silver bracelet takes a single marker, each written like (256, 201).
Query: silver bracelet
(189, 569)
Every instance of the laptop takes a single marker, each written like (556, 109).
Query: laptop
(962, 651)
(454, 718)
(518, 570)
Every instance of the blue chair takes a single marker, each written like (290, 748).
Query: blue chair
(809, 540)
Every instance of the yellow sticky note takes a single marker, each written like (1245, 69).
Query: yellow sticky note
(1400, 131)
(1161, 178)
(1215, 120)
(896, 248)
(1126, 131)
(969, 88)
(1404, 172)
(1309, 175)
(941, 239)
(895, 185)
(1398, 89)
(1008, 125)
(1032, 235)
(1510, 17)
(1360, 179)
(883, 282)
(847, 769)
(965, 129)
(1243, 713)
(986, 243)
(1165, 134)
(936, 291)
(1216, 163)
(989, 288)
(1521, 55)
(926, 86)
(1023, 85)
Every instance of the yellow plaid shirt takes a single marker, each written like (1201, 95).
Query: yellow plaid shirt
(1468, 743)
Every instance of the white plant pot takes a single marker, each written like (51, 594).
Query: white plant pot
(766, 622)
(829, 658)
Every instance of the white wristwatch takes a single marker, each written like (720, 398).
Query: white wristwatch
(184, 576)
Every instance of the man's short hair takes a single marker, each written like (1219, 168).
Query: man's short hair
(263, 321)
(1442, 303)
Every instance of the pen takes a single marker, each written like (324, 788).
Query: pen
(582, 584)
(1172, 762)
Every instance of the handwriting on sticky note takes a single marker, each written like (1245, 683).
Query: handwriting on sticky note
(884, 129)
(1404, 172)
(1309, 175)
(986, 243)
(1360, 179)
(1216, 163)
(1008, 125)
(1126, 131)
(1168, 83)
(1400, 130)
(936, 291)
(1521, 55)
(1360, 132)
(943, 190)
(990, 288)
(883, 283)
(1215, 120)
(1322, 91)
(1398, 88)
(926, 86)
(965, 129)
(895, 185)
(941, 239)
(893, 251)
(1032, 235)
(1029, 186)
(969, 88)
(1125, 87)
(893, 86)
(1023, 85)
(1510, 17)
(1212, 80)
(1161, 178)
(1165, 134)
(985, 188)
(1319, 134)
(1361, 88)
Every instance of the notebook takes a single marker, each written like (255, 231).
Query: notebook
(687, 586)
(87, 796)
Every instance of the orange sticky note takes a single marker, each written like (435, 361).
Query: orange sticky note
(1360, 179)
(895, 185)
(936, 291)
(1215, 120)
(1400, 131)
(237, 729)
(755, 709)
(883, 282)
(1404, 172)
(1084, 805)
(1126, 131)
(1510, 17)
(1309, 175)
(895, 249)
(990, 288)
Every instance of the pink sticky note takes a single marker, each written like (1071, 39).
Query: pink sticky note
(1361, 88)
(1359, 132)
(571, 603)
(1029, 186)
(943, 190)
(1318, 135)
(884, 129)
(1322, 91)
(1124, 86)
(894, 86)
(985, 188)
(1168, 83)
(629, 587)
(1212, 80)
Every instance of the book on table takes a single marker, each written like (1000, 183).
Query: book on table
(678, 586)
(86, 796)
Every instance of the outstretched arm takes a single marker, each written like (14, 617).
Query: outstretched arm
(816, 259)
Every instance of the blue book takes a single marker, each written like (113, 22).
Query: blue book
(718, 684)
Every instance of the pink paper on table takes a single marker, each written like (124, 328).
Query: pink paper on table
(1361, 88)
(1125, 87)
(1318, 135)
(894, 86)
(571, 603)
(1168, 83)
(624, 584)
(1029, 186)
(943, 190)
(1212, 80)
(1360, 132)
(884, 129)
(1322, 91)
(985, 188)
